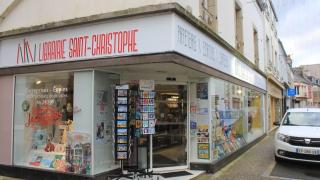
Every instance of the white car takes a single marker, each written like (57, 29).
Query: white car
(298, 137)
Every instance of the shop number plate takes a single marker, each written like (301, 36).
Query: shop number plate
(308, 151)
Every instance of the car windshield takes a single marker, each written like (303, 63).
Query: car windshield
(302, 119)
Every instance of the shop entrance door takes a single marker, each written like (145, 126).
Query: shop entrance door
(169, 142)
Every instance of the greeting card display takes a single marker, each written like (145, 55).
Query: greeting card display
(147, 111)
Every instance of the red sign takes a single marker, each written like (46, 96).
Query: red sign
(43, 116)
(110, 43)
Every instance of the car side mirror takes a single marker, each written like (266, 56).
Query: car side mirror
(276, 123)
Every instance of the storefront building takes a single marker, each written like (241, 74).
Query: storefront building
(276, 101)
(59, 96)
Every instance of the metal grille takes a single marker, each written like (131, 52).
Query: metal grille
(299, 141)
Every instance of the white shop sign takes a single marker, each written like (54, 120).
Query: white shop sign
(195, 44)
(100, 40)
(151, 34)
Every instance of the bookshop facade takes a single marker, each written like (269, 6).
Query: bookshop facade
(144, 91)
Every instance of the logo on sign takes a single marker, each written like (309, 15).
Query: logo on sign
(24, 52)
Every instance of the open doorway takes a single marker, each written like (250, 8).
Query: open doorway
(169, 141)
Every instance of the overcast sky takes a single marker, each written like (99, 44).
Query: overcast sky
(299, 29)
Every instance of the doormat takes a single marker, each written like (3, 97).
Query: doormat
(162, 161)
(175, 174)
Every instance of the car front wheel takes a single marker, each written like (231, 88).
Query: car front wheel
(278, 159)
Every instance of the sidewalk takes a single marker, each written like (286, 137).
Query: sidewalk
(252, 165)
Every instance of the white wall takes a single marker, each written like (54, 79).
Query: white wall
(103, 147)
(83, 99)
(83, 87)
(226, 20)
(21, 135)
(274, 45)
(36, 12)
(252, 17)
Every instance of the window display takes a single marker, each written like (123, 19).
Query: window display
(44, 133)
(200, 122)
(227, 109)
(254, 114)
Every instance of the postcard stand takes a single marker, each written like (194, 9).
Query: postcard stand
(121, 128)
(126, 108)
(147, 124)
(141, 151)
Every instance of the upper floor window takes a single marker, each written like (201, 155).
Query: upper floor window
(256, 47)
(239, 28)
(297, 89)
(275, 59)
(208, 13)
(268, 51)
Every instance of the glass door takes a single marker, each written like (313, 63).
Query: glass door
(169, 141)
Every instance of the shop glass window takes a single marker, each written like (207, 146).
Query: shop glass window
(254, 114)
(229, 120)
(278, 112)
(46, 134)
(199, 122)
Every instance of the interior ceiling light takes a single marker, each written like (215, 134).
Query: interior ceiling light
(171, 99)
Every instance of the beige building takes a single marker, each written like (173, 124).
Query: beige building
(312, 70)
(312, 73)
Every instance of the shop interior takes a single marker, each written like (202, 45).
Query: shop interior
(169, 142)
(171, 102)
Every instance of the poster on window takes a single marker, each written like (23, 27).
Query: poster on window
(100, 132)
(203, 133)
(101, 116)
(202, 90)
(101, 105)
(203, 151)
